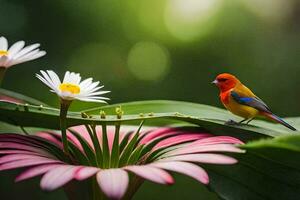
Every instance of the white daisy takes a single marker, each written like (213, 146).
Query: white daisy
(72, 87)
(17, 54)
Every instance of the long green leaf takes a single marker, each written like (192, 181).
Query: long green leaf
(162, 112)
(21, 97)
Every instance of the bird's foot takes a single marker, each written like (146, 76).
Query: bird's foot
(231, 122)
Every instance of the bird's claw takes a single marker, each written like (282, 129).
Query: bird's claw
(231, 122)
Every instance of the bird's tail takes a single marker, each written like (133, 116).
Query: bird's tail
(279, 120)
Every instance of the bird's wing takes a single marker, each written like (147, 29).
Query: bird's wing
(253, 102)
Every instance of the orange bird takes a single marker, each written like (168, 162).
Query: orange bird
(241, 101)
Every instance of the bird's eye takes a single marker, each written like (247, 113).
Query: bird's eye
(222, 79)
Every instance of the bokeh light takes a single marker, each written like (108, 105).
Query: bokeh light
(148, 61)
(272, 10)
(102, 61)
(188, 19)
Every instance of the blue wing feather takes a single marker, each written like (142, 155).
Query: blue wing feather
(258, 104)
(253, 102)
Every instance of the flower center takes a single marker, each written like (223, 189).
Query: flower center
(69, 87)
(3, 53)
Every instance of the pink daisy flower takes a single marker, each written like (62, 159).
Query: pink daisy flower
(115, 163)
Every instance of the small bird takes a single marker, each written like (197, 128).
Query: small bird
(241, 101)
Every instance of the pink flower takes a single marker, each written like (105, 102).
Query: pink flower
(148, 155)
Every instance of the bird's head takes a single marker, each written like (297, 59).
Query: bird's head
(225, 82)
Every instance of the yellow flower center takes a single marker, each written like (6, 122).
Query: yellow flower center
(69, 87)
(3, 53)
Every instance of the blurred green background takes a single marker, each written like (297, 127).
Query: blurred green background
(159, 49)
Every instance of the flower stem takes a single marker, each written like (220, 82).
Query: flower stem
(64, 106)
(114, 161)
(93, 134)
(2, 74)
(105, 147)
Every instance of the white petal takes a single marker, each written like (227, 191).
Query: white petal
(66, 77)
(48, 80)
(46, 83)
(85, 82)
(26, 50)
(15, 48)
(54, 78)
(27, 57)
(3, 43)
(91, 100)
(97, 93)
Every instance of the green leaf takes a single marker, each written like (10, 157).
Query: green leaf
(269, 170)
(21, 97)
(160, 113)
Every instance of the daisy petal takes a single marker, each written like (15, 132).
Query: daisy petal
(113, 182)
(85, 172)
(151, 173)
(203, 158)
(188, 169)
(35, 171)
(15, 48)
(3, 44)
(58, 177)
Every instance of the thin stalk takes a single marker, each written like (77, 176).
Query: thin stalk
(99, 155)
(105, 147)
(2, 74)
(24, 130)
(130, 146)
(64, 106)
(114, 161)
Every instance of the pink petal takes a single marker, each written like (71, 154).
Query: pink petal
(206, 148)
(16, 146)
(35, 171)
(188, 169)
(85, 172)
(18, 152)
(156, 133)
(151, 173)
(203, 158)
(113, 182)
(15, 157)
(178, 139)
(218, 140)
(163, 132)
(26, 163)
(58, 177)
(9, 99)
(110, 139)
(51, 138)
(83, 132)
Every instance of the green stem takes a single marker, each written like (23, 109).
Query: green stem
(93, 134)
(2, 74)
(105, 147)
(115, 154)
(64, 106)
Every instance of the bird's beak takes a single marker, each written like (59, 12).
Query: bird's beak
(215, 82)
